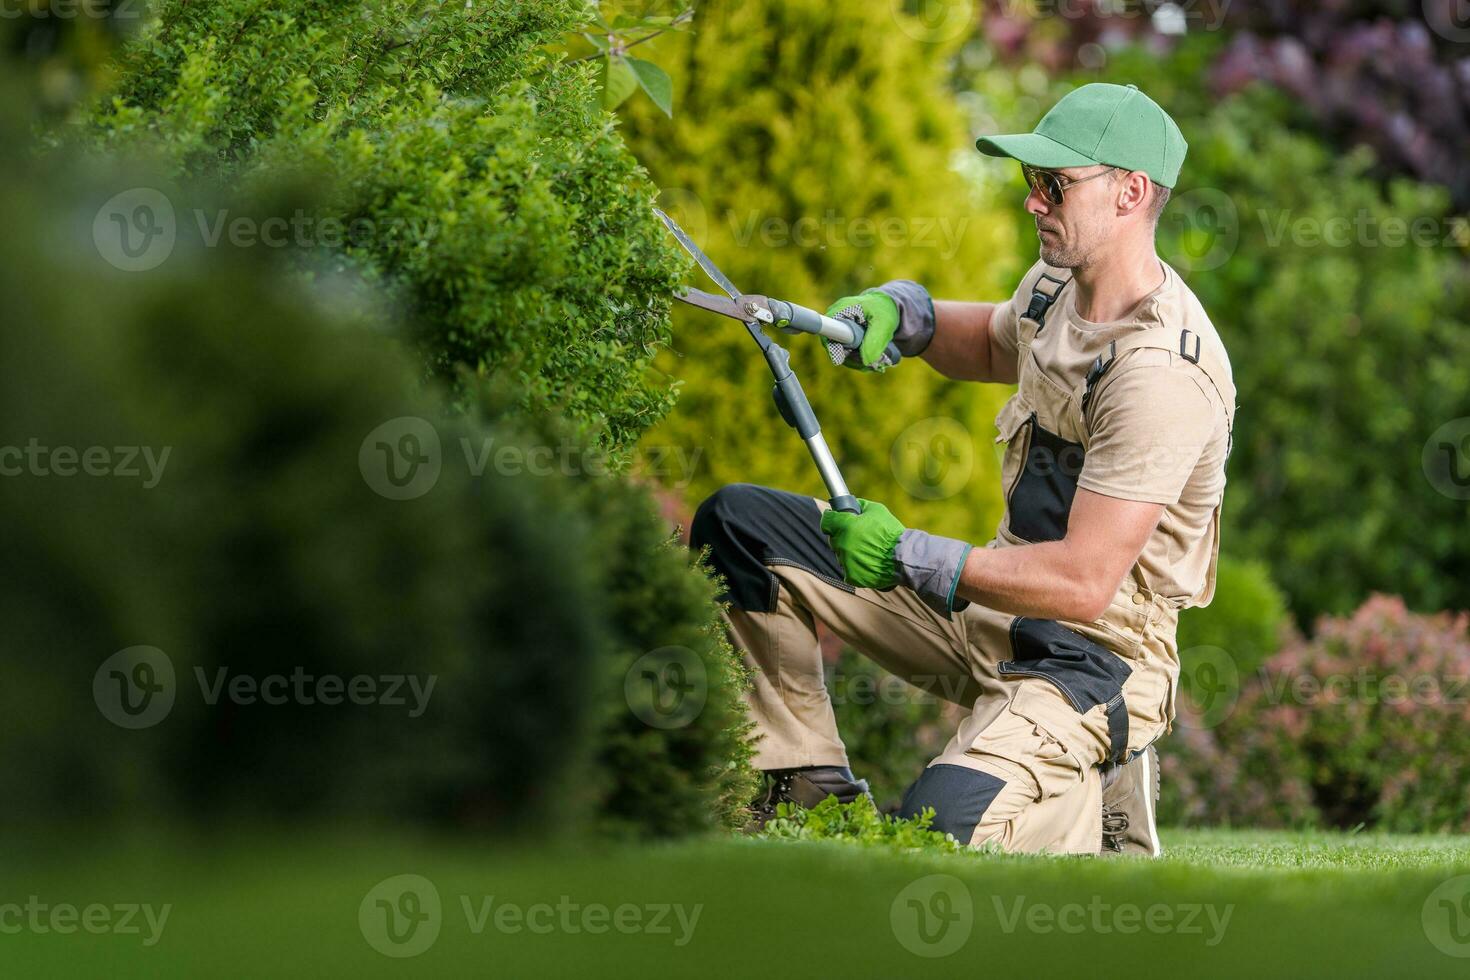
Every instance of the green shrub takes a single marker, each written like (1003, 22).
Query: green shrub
(811, 155)
(859, 823)
(1246, 618)
(472, 173)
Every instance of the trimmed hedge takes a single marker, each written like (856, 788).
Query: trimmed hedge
(476, 176)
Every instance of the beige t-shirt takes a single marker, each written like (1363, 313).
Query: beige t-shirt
(1159, 428)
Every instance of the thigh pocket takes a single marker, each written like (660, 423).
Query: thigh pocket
(1088, 675)
(1045, 740)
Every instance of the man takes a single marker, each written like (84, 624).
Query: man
(1059, 634)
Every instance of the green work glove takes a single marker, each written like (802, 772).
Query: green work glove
(880, 324)
(864, 544)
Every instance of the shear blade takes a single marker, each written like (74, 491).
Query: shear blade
(710, 269)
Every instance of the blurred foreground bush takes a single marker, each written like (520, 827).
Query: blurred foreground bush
(1366, 723)
(310, 510)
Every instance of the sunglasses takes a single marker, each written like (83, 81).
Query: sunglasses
(1050, 184)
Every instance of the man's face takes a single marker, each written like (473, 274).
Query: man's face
(1072, 232)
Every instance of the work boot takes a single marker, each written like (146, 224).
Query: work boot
(1130, 796)
(808, 786)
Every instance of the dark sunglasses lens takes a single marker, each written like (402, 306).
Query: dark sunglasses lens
(1044, 183)
(1051, 187)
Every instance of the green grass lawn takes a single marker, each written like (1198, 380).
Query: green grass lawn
(1220, 904)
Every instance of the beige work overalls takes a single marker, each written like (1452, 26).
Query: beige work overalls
(1052, 704)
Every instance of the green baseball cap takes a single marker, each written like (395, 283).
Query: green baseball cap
(1099, 123)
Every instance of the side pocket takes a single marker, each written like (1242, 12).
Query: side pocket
(1013, 416)
(1086, 673)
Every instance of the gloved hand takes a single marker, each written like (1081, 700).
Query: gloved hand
(877, 552)
(881, 324)
(864, 544)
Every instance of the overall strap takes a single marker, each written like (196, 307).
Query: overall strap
(1184, 342)
(1188, 345)
(1044, 293)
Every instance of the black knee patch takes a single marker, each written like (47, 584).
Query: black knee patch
(748, 528)
(959, 795)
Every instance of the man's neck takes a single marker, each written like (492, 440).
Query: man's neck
(1109, 288)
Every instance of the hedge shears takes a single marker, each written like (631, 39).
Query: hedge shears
(843, 335)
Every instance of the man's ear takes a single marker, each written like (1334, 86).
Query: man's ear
(1134, 190)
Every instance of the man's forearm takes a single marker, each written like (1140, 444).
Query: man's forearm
(1042, 580)
(961, 345)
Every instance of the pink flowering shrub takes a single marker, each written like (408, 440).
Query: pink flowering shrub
(1367, 722)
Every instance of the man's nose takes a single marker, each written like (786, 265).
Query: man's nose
(1036, 204)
